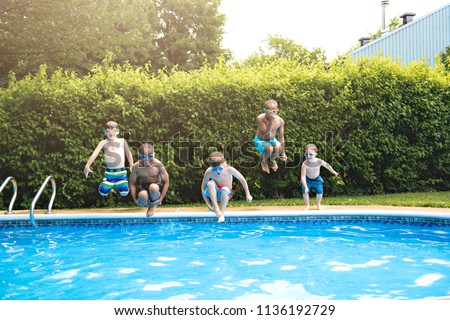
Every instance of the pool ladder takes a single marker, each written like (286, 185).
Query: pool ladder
(38, 194)
(36, 198)
(14, 183)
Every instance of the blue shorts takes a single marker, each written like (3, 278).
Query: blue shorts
(260, 144)
(316, 184)
(218, 191)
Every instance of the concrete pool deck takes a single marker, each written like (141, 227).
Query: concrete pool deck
(379, 213)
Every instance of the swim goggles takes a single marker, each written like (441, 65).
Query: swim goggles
(111, 130)
(216, 166)
(309, 154)
(217, 169)
(146, 156)
(274, 111)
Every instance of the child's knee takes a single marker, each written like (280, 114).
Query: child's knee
(153, 188)
(143, 194)
(211, 183)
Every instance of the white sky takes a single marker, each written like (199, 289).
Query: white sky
(332, 25)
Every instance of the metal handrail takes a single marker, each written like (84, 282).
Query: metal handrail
(14, 183)
(38, 194)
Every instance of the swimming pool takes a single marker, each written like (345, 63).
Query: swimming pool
(276, 256)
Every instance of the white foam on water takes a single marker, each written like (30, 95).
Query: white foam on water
(166, 259)
(161, 286)
(64, 275)
(92, 275)
(156, 264)
(246, 282)
(186, 296)
(438, 261)
(428, 279)
(128, 270)
(341, 266)
(282, 290)
(288, 268)
(256, 263)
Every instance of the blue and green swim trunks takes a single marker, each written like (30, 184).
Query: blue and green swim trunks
(260, 144)
(114, 178)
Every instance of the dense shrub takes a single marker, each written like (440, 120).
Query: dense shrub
(383, 126)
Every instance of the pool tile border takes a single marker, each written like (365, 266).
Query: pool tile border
(414, 217)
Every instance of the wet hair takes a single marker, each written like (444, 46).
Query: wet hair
(217, 154)
(311, 146)
(271, 101)
(147, 146)
(111, 124)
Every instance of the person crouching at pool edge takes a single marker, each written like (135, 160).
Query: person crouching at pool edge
(153, 180)
(217, 185)
(310, 175)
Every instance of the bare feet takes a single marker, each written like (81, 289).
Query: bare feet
(319, 207)
(151, 210)
(306, 208)
(264, 167)
(220, 215)
(273, 165)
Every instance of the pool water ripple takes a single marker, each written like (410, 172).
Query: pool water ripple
(257, 260)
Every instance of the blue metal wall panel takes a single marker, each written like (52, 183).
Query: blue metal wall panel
(417, 40)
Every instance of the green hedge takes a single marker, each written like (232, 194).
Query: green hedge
(383, 126)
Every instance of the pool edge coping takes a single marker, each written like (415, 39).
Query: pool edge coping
(386, 214)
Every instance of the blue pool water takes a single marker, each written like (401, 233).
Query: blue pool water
(251, 260)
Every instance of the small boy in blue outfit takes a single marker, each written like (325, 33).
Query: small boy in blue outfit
(269, 123)
(115, 149)
(310, 175)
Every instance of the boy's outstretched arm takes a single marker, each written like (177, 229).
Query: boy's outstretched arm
(282, 142)
(91, 159)
(132, 184)
(165, 177)
(328, 166)
(261, 127)
(303, 178)
(244, 183)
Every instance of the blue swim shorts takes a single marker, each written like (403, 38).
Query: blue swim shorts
(260, 144)
(316, 184)
(218, 191)
(114, 178)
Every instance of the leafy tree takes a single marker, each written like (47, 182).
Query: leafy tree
(73, 34)
(445, 58)
(77, 34)
(190, 32)
(279, 47)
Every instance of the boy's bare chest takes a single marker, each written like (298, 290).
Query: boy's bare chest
(272, 125)
(113, 146)
(222, 179)
(148, 173)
